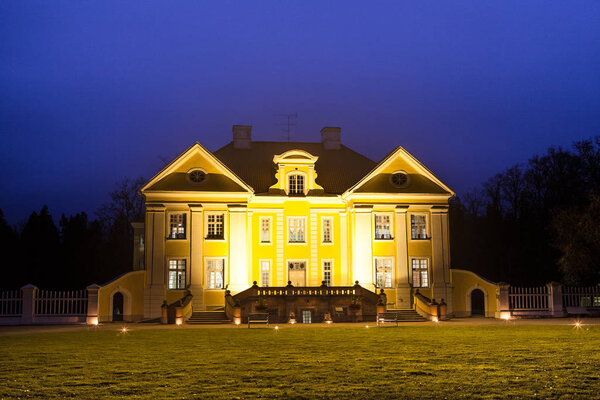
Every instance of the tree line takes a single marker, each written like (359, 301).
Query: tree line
(79, 251)
(535, 222)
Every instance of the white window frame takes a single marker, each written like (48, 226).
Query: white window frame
(185, 272)
(330, 219)
(260, 231)
(186, 220)
(303, 218)
(288, 189)
(412, 272)
(427, 233)
(207, 216)
(331, 276)
(207, 276)
(306, 269)
(261, 272)
(390, 215)
(392, 273)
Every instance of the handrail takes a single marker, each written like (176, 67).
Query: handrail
(426, 307)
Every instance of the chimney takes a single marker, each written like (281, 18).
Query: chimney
(331, 137)
(241, 136)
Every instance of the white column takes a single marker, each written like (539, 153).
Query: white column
(403, 295)
(196, 236)
(238, 271)
(154, 293)
(363, 252)
(344, 267)
(440, 260)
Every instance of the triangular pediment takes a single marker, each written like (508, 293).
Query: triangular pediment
(217, 176)
(419, 179)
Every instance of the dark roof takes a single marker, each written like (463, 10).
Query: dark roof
(337, 170)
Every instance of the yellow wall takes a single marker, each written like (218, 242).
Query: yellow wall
(464, 282)
(131, 285)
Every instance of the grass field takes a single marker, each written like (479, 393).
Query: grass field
(324, 362)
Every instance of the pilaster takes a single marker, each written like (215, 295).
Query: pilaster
(196, 235)
(363, 247)
(403, 295)
(238, 271)
(440, 260)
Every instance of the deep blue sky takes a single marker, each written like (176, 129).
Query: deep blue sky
(91, 92)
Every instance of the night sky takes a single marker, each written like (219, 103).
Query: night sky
(92, 92)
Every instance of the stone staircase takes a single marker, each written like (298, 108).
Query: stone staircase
(208, 318)
(407, 315)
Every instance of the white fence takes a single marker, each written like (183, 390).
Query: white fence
(11, 303)
(73, 302)
(33, 306)
(581, 296)
(528, 298)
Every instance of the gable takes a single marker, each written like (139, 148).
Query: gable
(174, 177)
(420, 179)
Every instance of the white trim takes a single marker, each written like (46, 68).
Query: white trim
(168, 214)
(332, 241)
(187, 271)
(287, 181)
(287, 231)
(390, 214)
(225, 272)
(332, 263)
(393, 271)
(225, 225)
(409, 215)
(260, 219)
(260, 271)
(410, 271)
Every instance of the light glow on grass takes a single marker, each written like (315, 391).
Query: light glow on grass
(124, 330)
(578, 324)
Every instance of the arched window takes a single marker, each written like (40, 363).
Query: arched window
(296, 184)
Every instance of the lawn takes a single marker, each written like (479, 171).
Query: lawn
(321, 362)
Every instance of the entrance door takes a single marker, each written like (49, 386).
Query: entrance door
(297, 273)
(477, 303)
(118, 307)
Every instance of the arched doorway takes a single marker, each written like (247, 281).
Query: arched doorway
(477, 303)
(117, 311)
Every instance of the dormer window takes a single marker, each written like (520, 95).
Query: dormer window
(296, 184)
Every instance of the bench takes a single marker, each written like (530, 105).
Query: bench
(387, 317)
(258, 318)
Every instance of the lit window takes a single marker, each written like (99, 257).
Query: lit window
(265, 273)
(296, 184)
(326, 230)
(420, 272)
(215, 226)
(177, 226)
(265, 230)
(214, 269)
(296, 230)
(382, 227)
(383, 268)
(418, 227)
(327, 272)
(176, 274)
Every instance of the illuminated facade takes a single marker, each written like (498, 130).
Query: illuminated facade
(307, 213)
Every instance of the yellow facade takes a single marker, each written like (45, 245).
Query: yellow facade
(338, 225)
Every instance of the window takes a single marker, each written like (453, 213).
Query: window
(177, 226)
(265, 230)
(214, 269)
(296, 184)
(383, 268)
(418, 226)
(196, 176)
(215, 226)
(176, 274)
(326, 230)
(327, 272)
(296, 230)
(382, 227)
(265, 273)
(420, 272)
